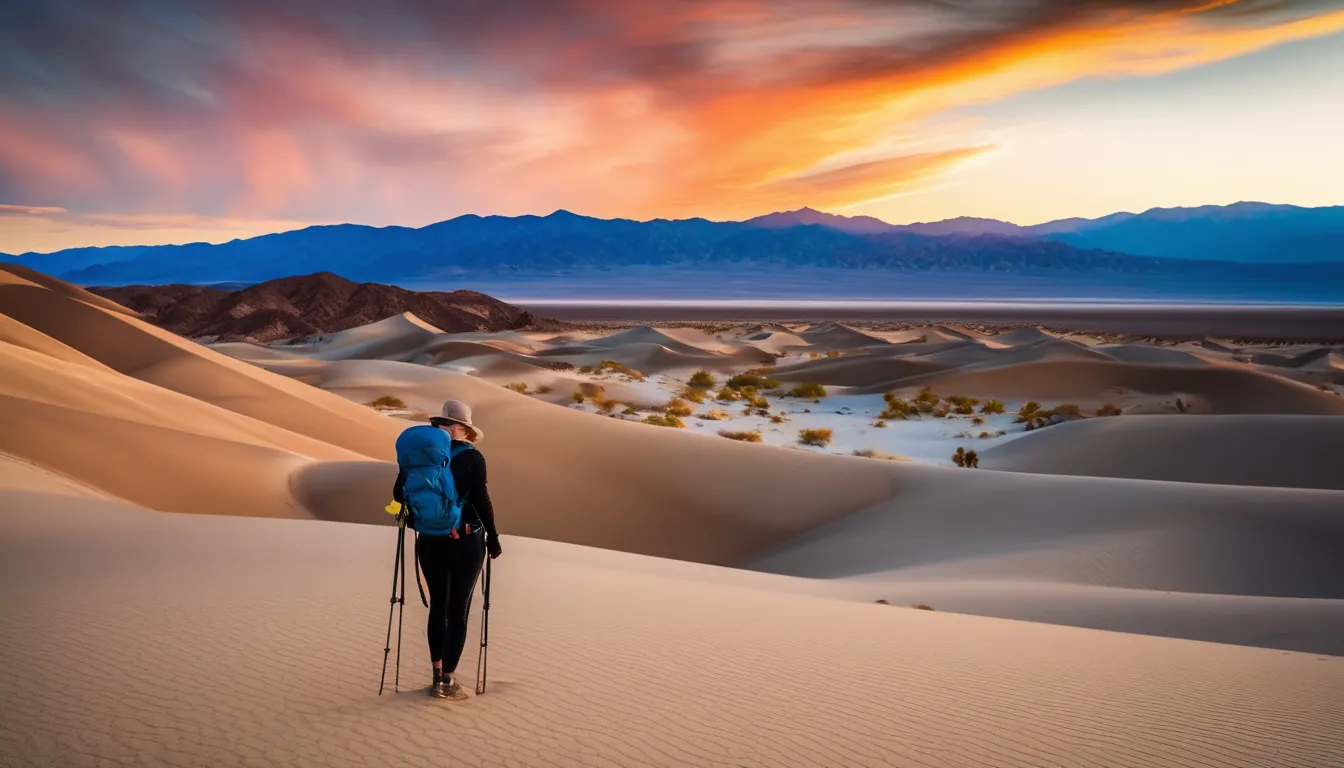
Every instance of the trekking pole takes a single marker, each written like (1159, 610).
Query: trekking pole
(485, 630)
(387, 647)
(401, 609)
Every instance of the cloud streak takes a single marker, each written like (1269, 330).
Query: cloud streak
(418, 110)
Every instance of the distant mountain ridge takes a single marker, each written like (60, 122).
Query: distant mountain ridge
(1179, 242)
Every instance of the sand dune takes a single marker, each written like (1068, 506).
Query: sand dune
(1218, 390)
(16, 274)
(858, 370)
(648, 667)
(401, 336)
(1098, 531)
(156, 356)
(16, 334)
(654, 654)
(776, 342)
(1232, 564)
(1023, 337)
(1138, 353)
(1283, 451)
(837, 336)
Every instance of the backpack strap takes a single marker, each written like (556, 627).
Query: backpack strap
(453, 453)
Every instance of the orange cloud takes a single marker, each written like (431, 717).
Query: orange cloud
(422, 110)
(750, 139)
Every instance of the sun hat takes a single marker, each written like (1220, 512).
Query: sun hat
(460, 413)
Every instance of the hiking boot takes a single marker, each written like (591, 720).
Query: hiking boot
(451, 690)
(437, 689)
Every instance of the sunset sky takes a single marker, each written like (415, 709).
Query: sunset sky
(157, 121)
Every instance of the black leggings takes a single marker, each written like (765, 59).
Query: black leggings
(450, 567)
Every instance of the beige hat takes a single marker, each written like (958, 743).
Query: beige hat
(460, 412)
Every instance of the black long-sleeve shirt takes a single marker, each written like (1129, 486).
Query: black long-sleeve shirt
(468, 469)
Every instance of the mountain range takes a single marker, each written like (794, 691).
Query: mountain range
(1242, 242)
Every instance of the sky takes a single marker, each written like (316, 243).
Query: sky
(160, 121)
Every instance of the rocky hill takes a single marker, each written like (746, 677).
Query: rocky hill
(299, 306)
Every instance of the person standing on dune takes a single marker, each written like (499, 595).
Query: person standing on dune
(450, 548)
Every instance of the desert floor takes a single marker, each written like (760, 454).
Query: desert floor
(196, 561)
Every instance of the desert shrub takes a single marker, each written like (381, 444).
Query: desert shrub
(1028, 413)
(965, 458)
(977, 421)
(756, 401)
(808, 390)
(714, 414)
(559, 366)
(833, 353)
(663, 420)
(577, 397)
(940, 412)
(691, 394)
(620, 368)
(880, 425)
(898, 408)
(1068, 409)
(762, 412)
(587, 369)
(925, 407)
(964, 409)
(701, 380)
(818, 437)
(678, 407)
(777, 419)
(544, 389)
(388, 401)
(747, 411)
(517, 386)
(869, 453)
(991, 407)
(603, 404)
(959, 401)
(751, 436)
(922, 607)
(988, 435)
(1108, 410)
(629, 412)
(926, 396)
(753, 380)
(728, 395)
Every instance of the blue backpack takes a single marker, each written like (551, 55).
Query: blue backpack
(431, 496)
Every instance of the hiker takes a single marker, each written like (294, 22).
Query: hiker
(451, 559)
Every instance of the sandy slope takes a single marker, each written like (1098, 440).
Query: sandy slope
(140, 350)
(17, 274)
(596, 659)
(1273, 450)
(1235, 564)
(1211, 389)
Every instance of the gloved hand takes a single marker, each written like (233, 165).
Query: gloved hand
(492, 546)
